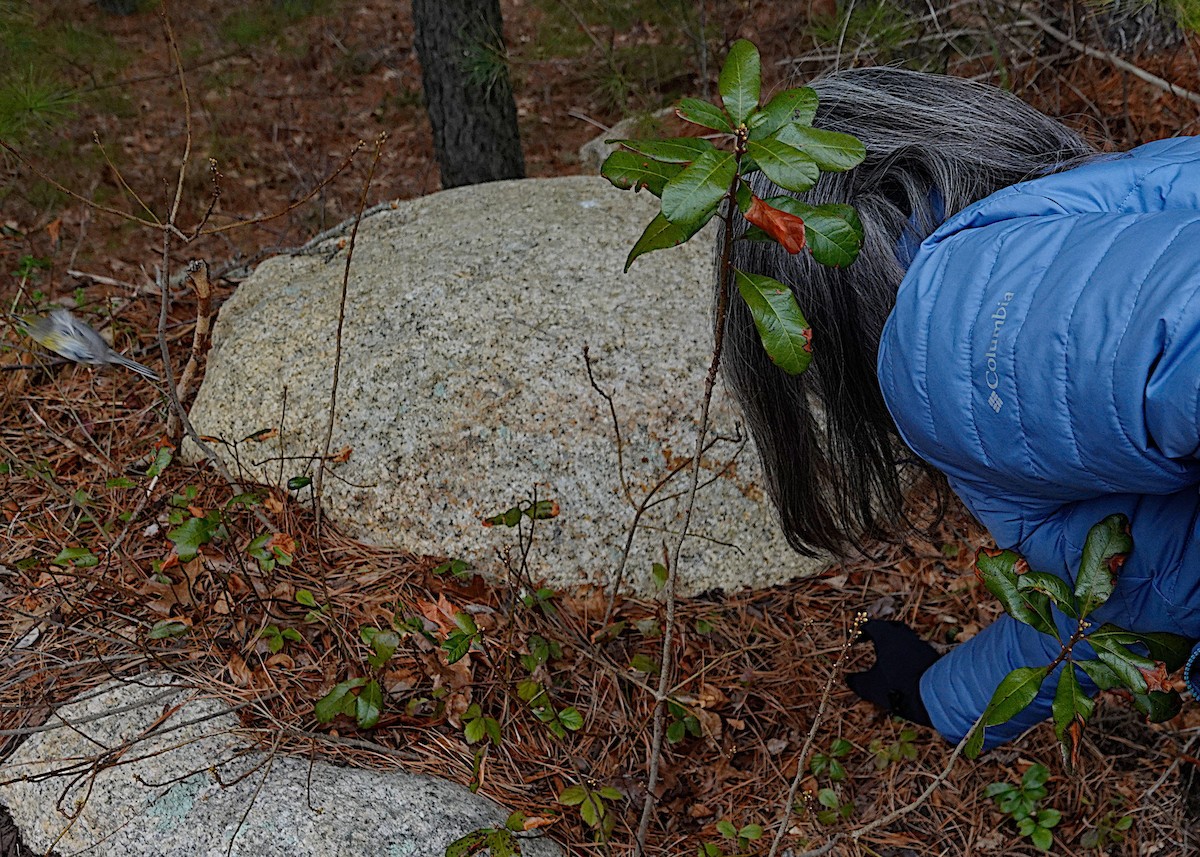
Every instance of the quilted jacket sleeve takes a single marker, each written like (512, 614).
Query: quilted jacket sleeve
(1045, 354)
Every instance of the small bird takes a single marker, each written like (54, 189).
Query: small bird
(69, 337)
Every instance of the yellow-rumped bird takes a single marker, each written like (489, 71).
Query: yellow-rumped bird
(67, 336)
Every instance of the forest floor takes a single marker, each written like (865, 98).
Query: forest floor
(279, 95)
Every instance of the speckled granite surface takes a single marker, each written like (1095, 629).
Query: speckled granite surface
(189, 786)
(463, 383)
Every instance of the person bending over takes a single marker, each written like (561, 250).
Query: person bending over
(1023, 324)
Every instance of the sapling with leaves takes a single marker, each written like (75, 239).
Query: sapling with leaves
(695, 179)
(1109, 656)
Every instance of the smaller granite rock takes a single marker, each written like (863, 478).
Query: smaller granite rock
(153, 768)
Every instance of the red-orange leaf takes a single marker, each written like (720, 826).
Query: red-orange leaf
(1156, 679)
(787, 229)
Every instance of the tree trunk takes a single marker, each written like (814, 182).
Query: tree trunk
(467, 92)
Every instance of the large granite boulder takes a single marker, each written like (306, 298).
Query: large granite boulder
(152, 768)
(463, 384)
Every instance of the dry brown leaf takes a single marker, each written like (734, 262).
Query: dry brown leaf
(239, 672)
(165, 597)
(281, 660)
(237, 585)
(711, 696)
(284, 542)
(440, 614)
(710, 724)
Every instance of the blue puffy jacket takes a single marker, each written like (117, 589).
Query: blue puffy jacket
(1044, 352)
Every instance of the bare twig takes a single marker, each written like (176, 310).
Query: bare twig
(786, 814)
(319, 483)
(923, 796)
(198, 277)
(710, 381)
(1109, 56)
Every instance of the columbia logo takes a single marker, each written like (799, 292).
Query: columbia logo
(995, 401)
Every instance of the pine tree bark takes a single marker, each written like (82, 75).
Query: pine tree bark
(467, 91)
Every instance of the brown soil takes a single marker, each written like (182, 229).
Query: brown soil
(279, 116)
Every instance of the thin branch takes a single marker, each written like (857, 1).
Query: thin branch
(924, 796)
(859, 618)
(710, 382)
(177, 60)
(320, 186)
(1109, 56)
(341, 323)
(121, 179)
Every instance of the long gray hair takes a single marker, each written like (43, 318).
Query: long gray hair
(835, 466)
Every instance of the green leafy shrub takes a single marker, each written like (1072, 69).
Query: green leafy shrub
(1138, 662)
(693, 178)
(1022, 803)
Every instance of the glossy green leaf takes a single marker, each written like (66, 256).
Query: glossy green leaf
(726, 829)
(1158, 705)
(1171, 649)
(298, 482)
(828, 798)
(474, 730)
(692, 197)
(304, 597)
(384, 643)
(660, 235)
(611, 792)
(834, 232)
(572, 796)
(162, 458)
(1126, 664)
(740, 80)
(456, 646)
(469, 845)
(1098, 672)
(630, 170)
(1018, 689)
(570, 718)
(704, 114)
(791, 105)
(369, 705)
(501, 843)
(677, 150)
(1104, 551)
(591, 810)
(331, 704)
(999, 570)
(190, 535)
(782, 328)
(78, 557)
(785, 165)
(1071, 709)
(508, 518)
(1055, 587)
(833, 151)
(1041, 838)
